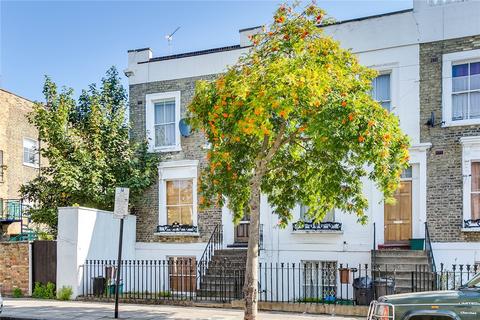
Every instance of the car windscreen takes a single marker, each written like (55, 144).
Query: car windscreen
(474, 282)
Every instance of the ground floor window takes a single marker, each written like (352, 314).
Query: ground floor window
(178, 198)
(179, 202)
(475, 191)
(182, 274)
(319, 280)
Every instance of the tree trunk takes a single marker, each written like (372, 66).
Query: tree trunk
(250, 288)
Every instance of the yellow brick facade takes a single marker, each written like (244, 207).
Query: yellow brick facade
(14, 127)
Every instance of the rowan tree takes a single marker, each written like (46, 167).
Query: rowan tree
(294, 120)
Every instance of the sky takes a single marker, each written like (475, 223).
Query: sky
(75, 42)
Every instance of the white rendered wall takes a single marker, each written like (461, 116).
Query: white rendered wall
(84, 234)
(451, 253)
(162, 250)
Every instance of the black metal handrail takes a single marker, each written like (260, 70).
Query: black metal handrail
(429, 250)
(214, 243)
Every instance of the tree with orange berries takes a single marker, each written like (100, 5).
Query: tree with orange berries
(294, 120)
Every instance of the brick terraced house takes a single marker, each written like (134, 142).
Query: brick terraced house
(428, 59)
(19, 163)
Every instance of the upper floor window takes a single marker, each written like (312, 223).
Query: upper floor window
(329, 217)
(162, 118)
(461, 88)
(381, 90)
(30, 152)
(165, 123)
(466, 91)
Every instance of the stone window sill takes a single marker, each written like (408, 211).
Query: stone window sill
(470, 229)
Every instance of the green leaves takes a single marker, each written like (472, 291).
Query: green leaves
(87, 150)
(296, 113)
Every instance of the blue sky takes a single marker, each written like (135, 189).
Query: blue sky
(75, 42)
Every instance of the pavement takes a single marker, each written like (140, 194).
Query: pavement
(65, 310)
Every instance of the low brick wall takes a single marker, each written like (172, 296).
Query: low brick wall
(14, 267)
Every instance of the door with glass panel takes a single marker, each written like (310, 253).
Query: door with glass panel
(242, 230)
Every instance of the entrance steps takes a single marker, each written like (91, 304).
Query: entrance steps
(224, 275)
(410, 268)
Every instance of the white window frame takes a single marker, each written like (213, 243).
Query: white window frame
(150, 100)
(449, 60)
(333, 211)
(470, 153)
(34, 142)
(382, 73)
(177, 170)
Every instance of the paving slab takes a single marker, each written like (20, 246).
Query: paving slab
(65, 310)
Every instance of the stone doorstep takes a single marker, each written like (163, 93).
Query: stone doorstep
(309, 308)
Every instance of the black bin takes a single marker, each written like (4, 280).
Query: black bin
(363, 290)
(98, 286)
(384, 286)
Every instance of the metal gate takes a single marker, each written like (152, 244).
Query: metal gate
(44, 261)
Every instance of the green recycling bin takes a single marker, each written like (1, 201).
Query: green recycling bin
(417, 244)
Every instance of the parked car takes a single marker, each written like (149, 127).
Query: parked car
(1, 303)
(461, 304)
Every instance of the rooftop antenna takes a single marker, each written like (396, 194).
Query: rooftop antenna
(169, 38)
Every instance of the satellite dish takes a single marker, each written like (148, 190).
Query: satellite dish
(185, 129)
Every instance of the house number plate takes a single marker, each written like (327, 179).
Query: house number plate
(398, 221)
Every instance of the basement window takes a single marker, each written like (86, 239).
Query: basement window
(319, 280)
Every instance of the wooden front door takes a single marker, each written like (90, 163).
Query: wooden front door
(398, 217)
(242, 230)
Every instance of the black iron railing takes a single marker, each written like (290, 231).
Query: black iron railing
(313, 226)
(429, 249)
(471, 223)
(322, 282)
(176, 227)
(425, 280)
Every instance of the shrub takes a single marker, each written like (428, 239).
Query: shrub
(64, 293)
(17, 292)
(42, 291)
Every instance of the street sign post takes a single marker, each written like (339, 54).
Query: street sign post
(120, 211)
